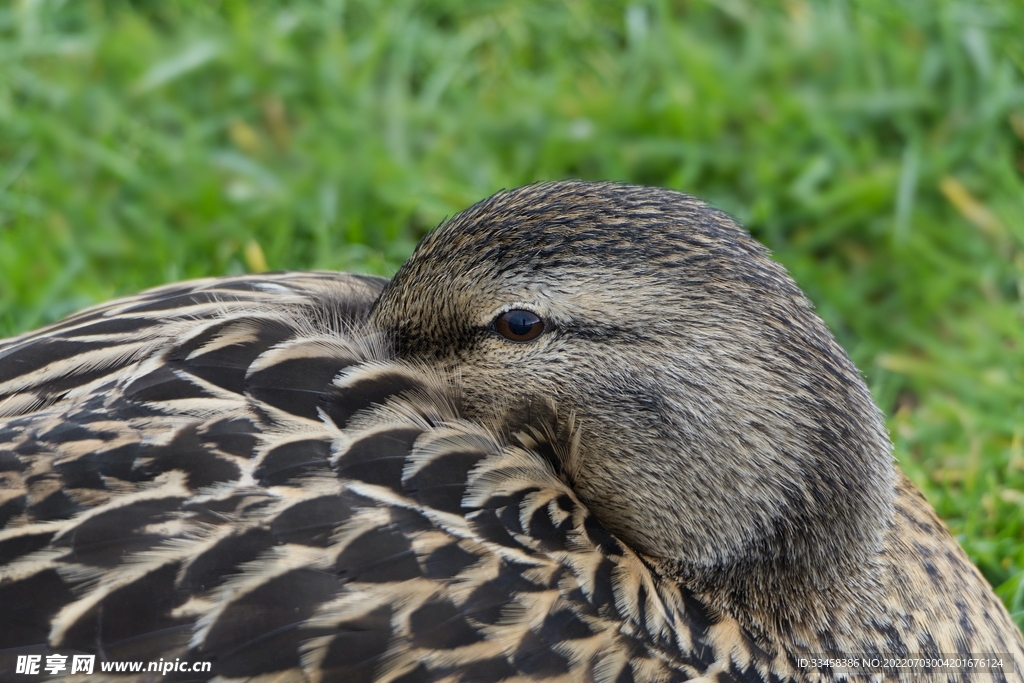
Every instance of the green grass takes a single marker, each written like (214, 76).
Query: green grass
(876, 147)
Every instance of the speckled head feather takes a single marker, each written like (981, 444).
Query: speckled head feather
(722, 430)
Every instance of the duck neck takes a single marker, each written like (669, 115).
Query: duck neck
(798, 582)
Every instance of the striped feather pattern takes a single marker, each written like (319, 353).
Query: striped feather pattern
(237, 477)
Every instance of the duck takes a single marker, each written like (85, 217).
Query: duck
(589, 431)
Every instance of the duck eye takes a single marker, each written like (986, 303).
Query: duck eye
(518, 325)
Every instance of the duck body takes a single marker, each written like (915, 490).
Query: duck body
(588, 432)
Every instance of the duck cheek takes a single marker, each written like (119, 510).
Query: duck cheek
(515, 410)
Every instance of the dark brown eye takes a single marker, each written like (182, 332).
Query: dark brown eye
(518, 325)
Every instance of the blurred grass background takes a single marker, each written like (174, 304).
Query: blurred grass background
(876, 146)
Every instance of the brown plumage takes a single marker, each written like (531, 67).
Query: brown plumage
(676, 474)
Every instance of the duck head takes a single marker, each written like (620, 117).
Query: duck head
(722, 431)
